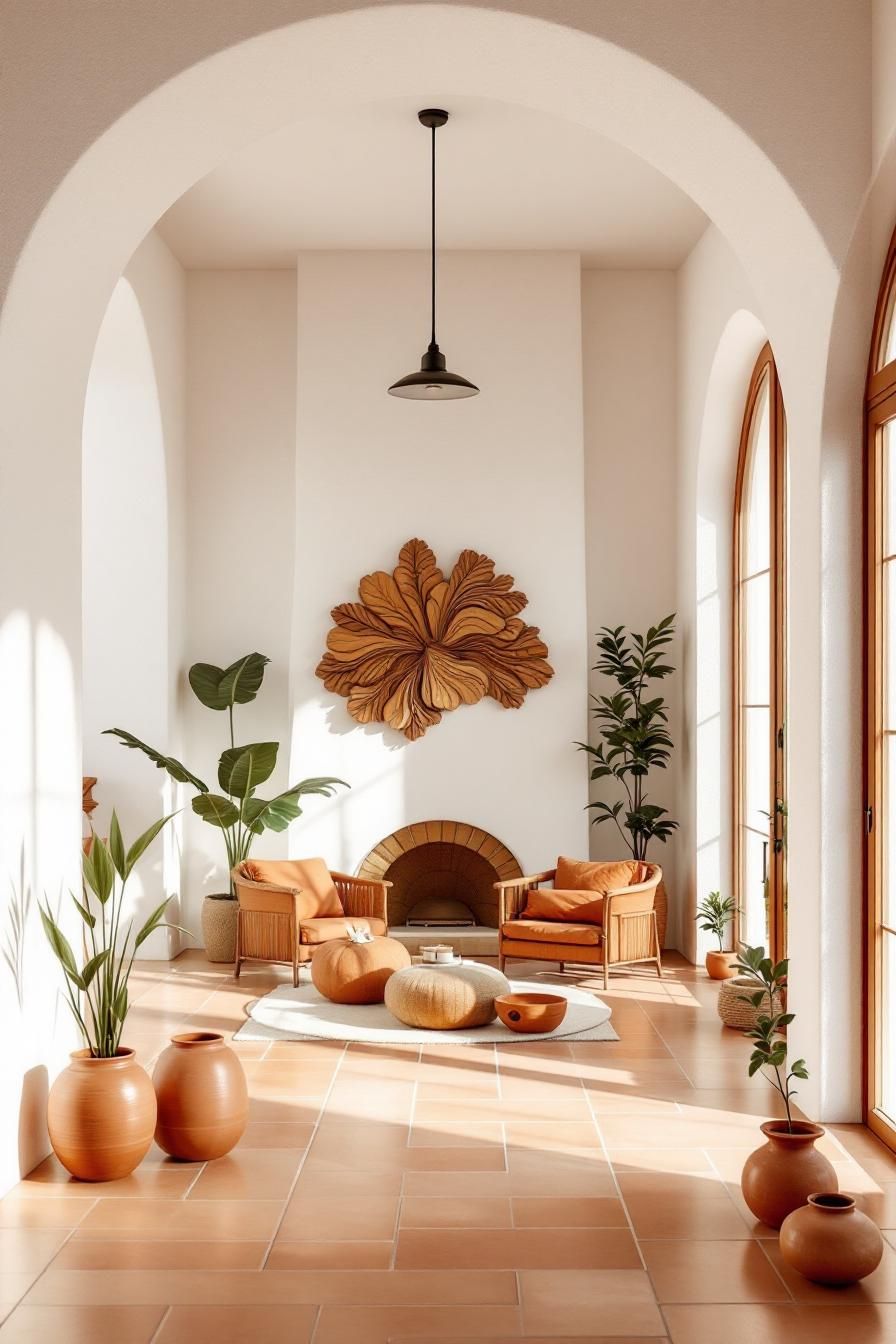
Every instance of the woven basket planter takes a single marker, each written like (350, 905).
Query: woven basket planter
(735, 1008)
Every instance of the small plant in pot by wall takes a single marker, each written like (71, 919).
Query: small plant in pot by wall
(236, 811)
(632, 723)
(101, 1111)
(780, 1176)
(715, 914)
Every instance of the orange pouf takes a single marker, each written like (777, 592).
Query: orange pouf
(202, 1097)
(347, 972)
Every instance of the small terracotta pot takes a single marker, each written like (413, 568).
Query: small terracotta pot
(830, 1241)
(202, 1095)
(781, 1175)
(101, 1114)
(721, 965)
(219, 927)
(531, 1012)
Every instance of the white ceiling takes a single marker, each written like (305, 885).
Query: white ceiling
(509, 178)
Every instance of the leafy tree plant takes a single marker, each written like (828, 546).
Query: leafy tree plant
(98, 990)
(769, 1034)
(716, 913)
(237, 811)
(632, 724)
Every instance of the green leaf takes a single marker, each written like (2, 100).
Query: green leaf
(116, 845)
(103, 869)
(142, 843)
(175, 769)
(61, 947)
(152, 923)
(93, 966)
(88, 918)
(217, 811)
(222, 688)
(119, 1005)
(242, 769)
(275, 814)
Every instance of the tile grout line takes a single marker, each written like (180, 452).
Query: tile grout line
(155, 1334)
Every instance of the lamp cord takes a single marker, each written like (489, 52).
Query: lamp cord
(433, 275)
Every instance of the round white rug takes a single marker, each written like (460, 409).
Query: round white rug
(303, 1013)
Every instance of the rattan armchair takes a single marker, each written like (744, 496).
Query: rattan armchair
(628, 933)
(277, 922)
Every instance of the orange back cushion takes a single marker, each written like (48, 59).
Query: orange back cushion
(580, 875)
(575, 907)
(311, 877)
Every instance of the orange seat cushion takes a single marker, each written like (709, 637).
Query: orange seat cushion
(581, 875)
(325, 930)
(544, 931)
(584, 907)
(319, 897)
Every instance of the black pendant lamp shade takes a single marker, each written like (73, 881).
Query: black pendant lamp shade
(432, 381)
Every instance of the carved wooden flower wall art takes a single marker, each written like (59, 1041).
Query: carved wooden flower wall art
(418, 643)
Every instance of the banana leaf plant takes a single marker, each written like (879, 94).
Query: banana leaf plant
(97, 991)
(632, 723)
(236, 810)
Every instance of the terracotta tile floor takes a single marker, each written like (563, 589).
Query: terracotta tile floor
(548, 1192)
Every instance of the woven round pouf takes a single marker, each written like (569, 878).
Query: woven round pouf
(734, 1005)
(443, 998)
(347, 972)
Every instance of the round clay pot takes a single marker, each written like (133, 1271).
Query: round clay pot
(531, 1012)
(830, 1241)
(347, 972)
(721, 965)
(101, 1114)
(781, 1175)
(203, 1098)
(219, 927)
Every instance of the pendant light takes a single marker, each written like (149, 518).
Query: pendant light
(433, 382)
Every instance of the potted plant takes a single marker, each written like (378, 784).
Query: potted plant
(236, 811)
(632, 723)
(780, 1176)
(715, 914)
(101, 1112)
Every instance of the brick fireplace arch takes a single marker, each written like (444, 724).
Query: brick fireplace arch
(438, 861)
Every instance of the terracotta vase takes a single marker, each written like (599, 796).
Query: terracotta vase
(721, 965)
(101, 1114)
(830, 1241)
(219, 927)
(202, 1096)
(781, 1175)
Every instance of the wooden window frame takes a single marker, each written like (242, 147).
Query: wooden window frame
(880, 408)
(764, 371)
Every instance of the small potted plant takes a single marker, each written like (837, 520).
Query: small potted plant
(780, 1176)
(101, 1112)
(237, 811)
(715, 914)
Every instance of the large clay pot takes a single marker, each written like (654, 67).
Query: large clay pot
(781, 1175)
(203, 1099)
(721, 965)
(830, 1241)
(219, 927)
(347, 972)
(101, 1114)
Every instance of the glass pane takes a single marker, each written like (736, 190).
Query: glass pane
(888, 433)
(888, 339)
(756, 640)
(888, 670)
(887, 1099)
(754, 897)
(755, 515)
(756, 769)
(888, 839)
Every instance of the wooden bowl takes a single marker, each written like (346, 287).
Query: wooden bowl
(531, 1012)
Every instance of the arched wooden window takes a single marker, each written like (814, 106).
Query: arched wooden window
(880, 737)
(759, 664)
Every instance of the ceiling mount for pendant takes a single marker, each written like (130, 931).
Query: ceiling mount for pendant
(433, 381)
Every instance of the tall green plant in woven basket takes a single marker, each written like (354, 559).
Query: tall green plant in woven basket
(237, 811)
(632, 722)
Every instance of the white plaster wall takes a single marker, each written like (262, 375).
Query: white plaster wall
(501, 473)
(629, 389)
(132, 562)
(241, 398)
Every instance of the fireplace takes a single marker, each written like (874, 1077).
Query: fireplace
(443, 875)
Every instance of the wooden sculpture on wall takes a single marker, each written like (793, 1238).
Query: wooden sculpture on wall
(418, 644)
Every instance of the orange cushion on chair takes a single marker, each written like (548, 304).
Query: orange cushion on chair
(543, 931)
(581, 875)
(309, 876)
(325, 930)
(583, 907)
